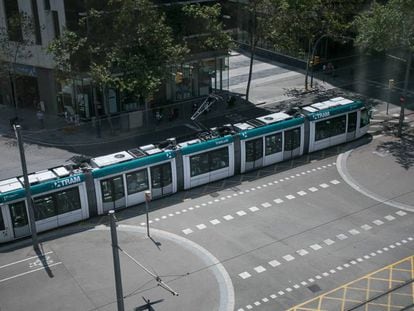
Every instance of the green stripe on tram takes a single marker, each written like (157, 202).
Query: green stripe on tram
(326, 113)
(271, 128)
(135, 163)
(41, 188)
(204, 145)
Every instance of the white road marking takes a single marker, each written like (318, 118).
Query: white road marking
(339, 268)
(315, 247)
(216, 200)
(328, 242)
(318, 277)
(346, 265)
(157, 219)
(187, 231)
(177, 213)
(302, 193)
(324, 185)
(245, 275)
(201, 226)
(302, 252)
(354, 231)
(304, 283)
(241, 192)
(313, 189)
(332, 271)
(389, 217)
(214, 221)
(325, 274)
(401, 213)
(142, 224)
(341, 236)
(298, 175)
(288, 257)
(229, 197)
(273, 296)
(241, 213)
(253, 209)
(259, 187)
(366, 227)
(266, 205)
(311, 280)
(31, 271)
(265, 300)
(164, 217)
(228, 217)
(281, 293)
(274, 263)
(259, 269)
(335, 182)
(278, 201)
(360, 259)
(23, 260)
(290, 197)
(378, 222)
(191, 208)
(288, 289)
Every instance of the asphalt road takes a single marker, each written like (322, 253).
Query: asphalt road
(274, 237)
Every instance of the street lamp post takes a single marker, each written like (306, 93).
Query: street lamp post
(35, 241)
(147, 200)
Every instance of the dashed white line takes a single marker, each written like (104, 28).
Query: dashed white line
(228, 217)
(274, 263)
(354, 231)
(401, 213)
(245, 275)
(335, 182)
(278, 201)
(328, 242)
(187, 231)
(241, 213)
(313, 189)
(301, 193)
(315, 247)
(378, 222)
(260, 269)
(290, 197)
(302, 252)
(266, 205)
(214, 221)
(201, 226)
(366, 227)
(389, 217)
(324, 186)
(288, 257)
(341, 236)
(253, 209)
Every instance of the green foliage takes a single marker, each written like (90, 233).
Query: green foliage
(128, 46)
(209, 28)
(386, 26)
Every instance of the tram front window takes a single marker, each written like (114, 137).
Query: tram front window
(18, 214)
(364, 121)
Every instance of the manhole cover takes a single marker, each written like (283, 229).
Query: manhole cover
(314, 288)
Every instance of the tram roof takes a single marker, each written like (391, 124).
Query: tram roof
(330, 107)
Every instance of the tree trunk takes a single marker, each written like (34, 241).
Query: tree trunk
(252, 51)
(307, 64)
(402, 103)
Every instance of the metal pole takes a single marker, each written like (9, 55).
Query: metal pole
(117, 267)
(147, 199)
(35, 241)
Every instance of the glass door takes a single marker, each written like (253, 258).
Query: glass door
(5, 234)
(352, 124)
(254, 154)
(113, 193)
(19, 219)
(161, 180)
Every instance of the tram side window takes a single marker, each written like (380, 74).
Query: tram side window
(2, 227)
(292, 139)
(352, 122)
(199, 164)
(331, 127)
(364, 121)
(219, 159)
(254, 149)
(44, 207)
(273, 143)
(68, 200)
(137, 181)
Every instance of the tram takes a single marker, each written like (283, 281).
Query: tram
(67, 194)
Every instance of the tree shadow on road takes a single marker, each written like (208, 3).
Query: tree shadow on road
(402, 150)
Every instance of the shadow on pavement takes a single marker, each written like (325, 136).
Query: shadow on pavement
(402, 149)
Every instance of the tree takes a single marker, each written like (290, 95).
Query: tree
(386, 27)
(130, 53)
(15, 43)
(209, 27)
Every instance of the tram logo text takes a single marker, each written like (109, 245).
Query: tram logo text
(67, 181)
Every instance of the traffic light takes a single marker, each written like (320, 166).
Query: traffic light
(391, 83)
(179, 77)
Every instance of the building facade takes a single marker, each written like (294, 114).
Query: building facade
(34, 79)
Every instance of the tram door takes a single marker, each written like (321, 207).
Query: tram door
(292, 143)
(19, 219)
(113, 193)
(352, 124)
(161, 180)
(254, 154)
(4, 226)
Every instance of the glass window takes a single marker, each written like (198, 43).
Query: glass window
(68, 200)
(352, 121)
(273, 143)
(161, 175)
(199, 164)
(18, 214)
(331, 127)
(112, 189)
(2, 227)
(44, 207)
(292, 139)
(364, 121)
(219, 159)
(254, 149)
(137, 181)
